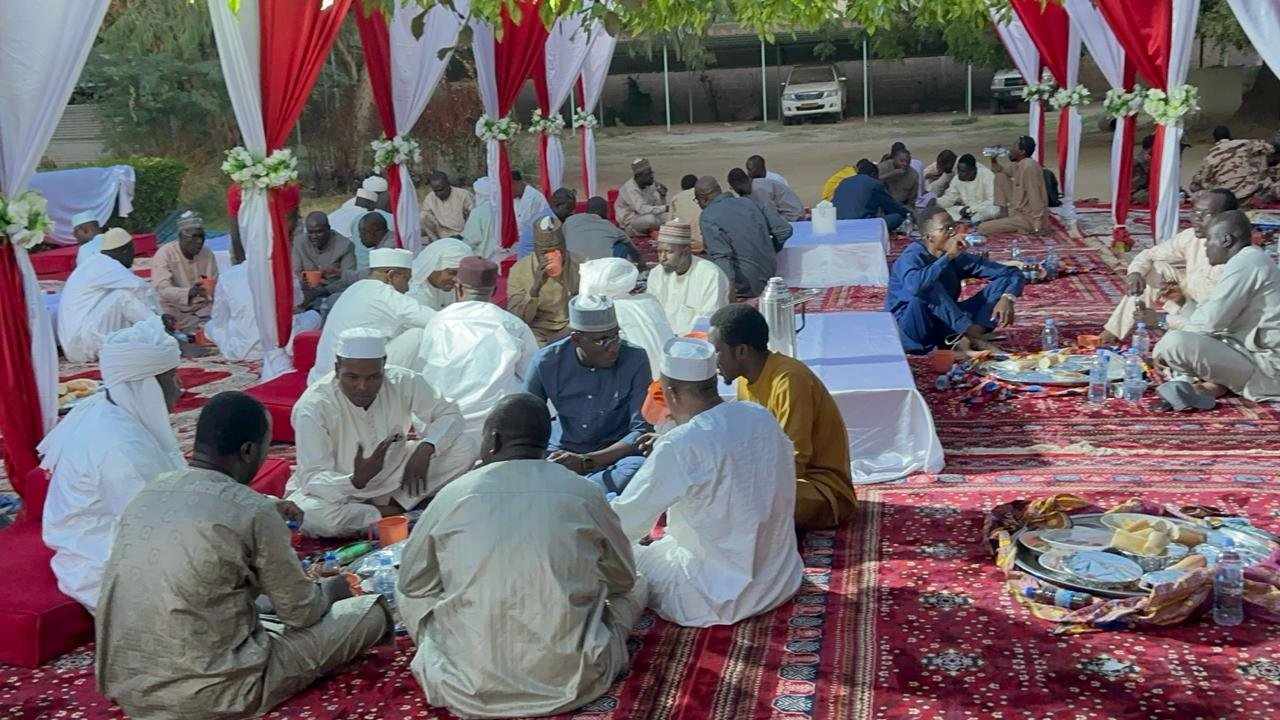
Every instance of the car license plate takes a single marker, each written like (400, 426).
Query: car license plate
(808, 106)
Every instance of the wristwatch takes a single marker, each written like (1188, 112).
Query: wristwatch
(587, 463)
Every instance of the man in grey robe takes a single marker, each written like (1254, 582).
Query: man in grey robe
(319, 248)
(741, 238)
(532, 627)
(1231, 342)
(179, 634)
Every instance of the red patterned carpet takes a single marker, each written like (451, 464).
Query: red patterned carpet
(902, 614)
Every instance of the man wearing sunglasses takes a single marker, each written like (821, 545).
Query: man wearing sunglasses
(597, 383)
(925, 284)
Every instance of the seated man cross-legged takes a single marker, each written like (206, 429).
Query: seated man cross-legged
(925, 284)
(518, 585)
(725, 479)
(197, 553)
(1231, 343)
(804, 408)
(356, 461)
(597, 384)
(179, 272)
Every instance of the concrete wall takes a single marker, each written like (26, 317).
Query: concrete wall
(78, 137)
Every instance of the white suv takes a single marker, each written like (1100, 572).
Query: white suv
(813, 90)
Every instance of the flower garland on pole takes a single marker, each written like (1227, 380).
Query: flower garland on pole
(1075, 97)
(582, 118)
(24, 219)
(1169, 108)
(1042, 90)
(1120, 104)
(502, 129)
(251, 170)
(399, 150)
(552, 125)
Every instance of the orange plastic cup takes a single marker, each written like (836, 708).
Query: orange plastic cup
(1087, 342)
(393, 529)
(312, 277)
(208, 283)
(942, 360)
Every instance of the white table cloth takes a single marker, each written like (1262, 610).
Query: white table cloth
(100, 190)
(859, 357)
(854, 255)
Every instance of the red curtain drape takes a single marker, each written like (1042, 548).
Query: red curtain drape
(544, 103)
(1050, 28)
(22, 422)
(1143, 28)
(515, 56)
(296, 36)
(376, 39)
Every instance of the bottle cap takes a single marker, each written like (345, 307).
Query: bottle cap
(1029, 592)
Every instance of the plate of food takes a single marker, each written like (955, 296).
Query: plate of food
(1078, 537)
(1032, 540)
(1059, 367)
(1102, 568)
(73, 391)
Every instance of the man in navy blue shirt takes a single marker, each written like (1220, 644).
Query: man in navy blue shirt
(864, 196)
(597, 384)
(924, 290)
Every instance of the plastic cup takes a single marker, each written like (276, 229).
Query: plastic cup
(942, 360)
(393, 529)
(312, 277)
(1087, 342)
(208, 283)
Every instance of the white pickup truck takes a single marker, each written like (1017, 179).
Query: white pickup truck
(813, 90)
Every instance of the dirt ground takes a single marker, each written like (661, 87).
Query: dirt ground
(807, 154)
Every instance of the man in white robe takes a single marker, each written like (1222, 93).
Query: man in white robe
(725, 477)
(356, 460)
(1231, 343)
(233, 324)
(103, 296)
(435, 270)
(105, 450)
(87, 231)
(518, 585)
(370, 196)
(641, 320)
(475, 350)
(531, 206)
(480, 232)
(379, 303)
(971, 194)
(686, 286)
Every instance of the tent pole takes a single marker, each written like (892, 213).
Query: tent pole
(666, 87)
(866, 85)
(968, 91)
(764, 85)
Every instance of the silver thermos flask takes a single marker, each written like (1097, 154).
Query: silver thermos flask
(778, 308)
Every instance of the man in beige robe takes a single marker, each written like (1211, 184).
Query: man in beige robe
(1020, 191)
(445, 208)
(1176, 271)
(356, 458)
(534, 627)
(178, 631)
(179, 273)
(542, 282)
(642, 201)
(1231, 343)
(685, 208)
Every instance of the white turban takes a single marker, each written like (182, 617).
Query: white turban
(483, 189)
(611, 277)
(441, 254)
(130, 359)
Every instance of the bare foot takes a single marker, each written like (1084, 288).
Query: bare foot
(1213, 390)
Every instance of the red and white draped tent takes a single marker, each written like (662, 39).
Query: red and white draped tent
(1120, 74)
(1058, 46)
(1157, 36)
(271, 53)
(595, 70)
(502, 66)
(1026, 57)
(553, 79)
(404, 72)
(43, 47)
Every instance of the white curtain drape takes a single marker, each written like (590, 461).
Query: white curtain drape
(566, 50)
(1182, 36)
(1070, 170)
(483, 46)
(1027, 59)
(43, 47)
(239, 51)
(416, 69)
(595, 70)
(1261, 22)
(1109, 56)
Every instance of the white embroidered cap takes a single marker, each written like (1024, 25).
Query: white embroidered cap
(688, 359)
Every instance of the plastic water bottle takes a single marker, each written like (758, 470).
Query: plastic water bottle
(1228, 589)
(943, 382)
(1098, 379)
(1141, 342)
(1051, 263)
(1057, 596)
(1134, 385)
(384, 580)
(1015, 251)
(1049, 339)
(295, 536)
(331, 563)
